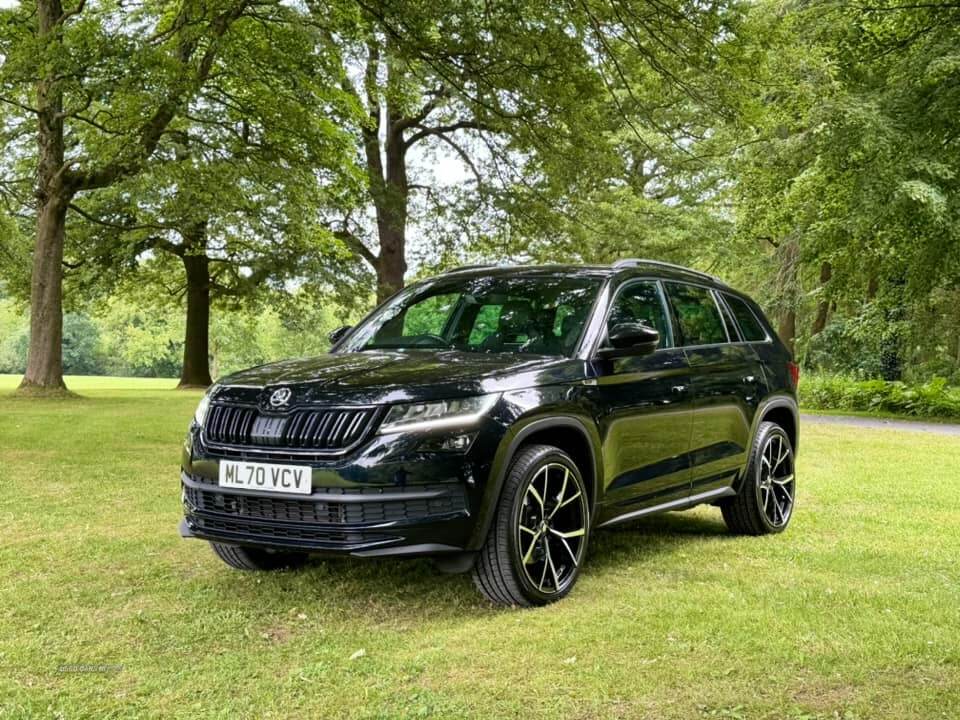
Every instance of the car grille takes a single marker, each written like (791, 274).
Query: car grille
(449, 501)
(319, 430)
(303, 535)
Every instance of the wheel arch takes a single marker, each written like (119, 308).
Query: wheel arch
(779, 409)
(782, 411)
(566, 432)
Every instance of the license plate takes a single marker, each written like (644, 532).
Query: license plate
(287, 479)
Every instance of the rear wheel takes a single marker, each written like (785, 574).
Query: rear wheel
(765, 501)
(538, 539)
(244, 558)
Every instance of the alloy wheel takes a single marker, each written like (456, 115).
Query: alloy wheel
(776, 481)
(552, 528)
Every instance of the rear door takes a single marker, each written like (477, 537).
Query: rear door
(727, 382)
(645, 409)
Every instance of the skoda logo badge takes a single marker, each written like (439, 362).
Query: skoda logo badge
(280, 397)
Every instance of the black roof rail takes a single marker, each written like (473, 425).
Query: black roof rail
(637, 262)
(478, 266)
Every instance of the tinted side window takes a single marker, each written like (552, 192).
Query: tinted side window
(485, 324)
(641, 302)
(697, 313)
(430, 316)
(750, 327)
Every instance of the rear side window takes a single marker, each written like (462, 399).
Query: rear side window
(750, 327)
(697, 314)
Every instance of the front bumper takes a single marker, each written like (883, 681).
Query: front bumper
(385, 499)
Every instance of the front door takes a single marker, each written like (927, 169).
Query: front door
(645, 410)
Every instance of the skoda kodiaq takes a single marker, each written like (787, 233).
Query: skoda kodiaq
(493, 418)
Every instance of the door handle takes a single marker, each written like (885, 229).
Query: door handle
(749, 379)
(679, 389)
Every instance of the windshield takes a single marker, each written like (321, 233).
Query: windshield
(538, 315)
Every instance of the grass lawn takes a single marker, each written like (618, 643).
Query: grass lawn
(853, 613)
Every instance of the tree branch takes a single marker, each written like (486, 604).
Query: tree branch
(123, 227)
(356, 244)
(441, 130)
(153, 129)
(67, 14)
(465, 157)
(437, 97)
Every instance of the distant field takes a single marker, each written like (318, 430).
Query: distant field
(80, 383)
(852, 614)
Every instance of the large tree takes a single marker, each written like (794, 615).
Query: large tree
(102, 84)
(227, 208)
(578, 127)
(492, 86)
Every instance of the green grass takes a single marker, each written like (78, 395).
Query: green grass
(852, 613)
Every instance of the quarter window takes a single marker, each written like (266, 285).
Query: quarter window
(697, 314)
(641, 302)
(750, 327)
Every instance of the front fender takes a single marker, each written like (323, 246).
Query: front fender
(564, 415)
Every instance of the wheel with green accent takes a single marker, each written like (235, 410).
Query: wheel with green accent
(765, 500)
(538, 539)
(245, 558)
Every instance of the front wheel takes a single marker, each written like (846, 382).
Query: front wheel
(245, 558)
(538, 539)
(767, 493)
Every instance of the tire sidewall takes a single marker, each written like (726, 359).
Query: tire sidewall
(519, 488)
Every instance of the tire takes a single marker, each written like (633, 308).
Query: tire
(765, 501)
(244, 558)
(511, 571)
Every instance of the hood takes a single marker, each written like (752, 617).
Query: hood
(408, 375)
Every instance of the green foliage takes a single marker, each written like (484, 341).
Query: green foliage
(125, 339)
(80, 340)
(14, 329)
(934, 398)
(851, 158)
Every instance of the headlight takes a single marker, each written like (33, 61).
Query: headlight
(201, 414)
(443, 413)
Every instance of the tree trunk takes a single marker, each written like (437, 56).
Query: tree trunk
(823, 307)
(788, 330)
(390, 198)
(392, 216)
(45, 355)
(196, 341)
(388, 184)
(391, 265)
(789, 290)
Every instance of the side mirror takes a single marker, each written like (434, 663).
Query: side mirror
(337, 335)
(630, 339)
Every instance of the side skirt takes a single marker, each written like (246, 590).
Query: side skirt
(679, 504)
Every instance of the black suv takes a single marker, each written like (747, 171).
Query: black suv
(493, 417)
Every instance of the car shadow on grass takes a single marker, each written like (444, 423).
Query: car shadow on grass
(653, 538)
(414, 590)
(372, 591)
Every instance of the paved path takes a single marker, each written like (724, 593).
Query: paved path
(881, 423)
